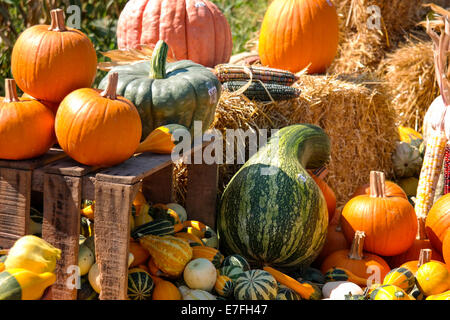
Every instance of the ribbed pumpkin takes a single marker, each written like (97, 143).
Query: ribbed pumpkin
(358, 262)
(296, 34)
(255, 284)
(446, 247)
(181, 92)
(421, 242)
(165, 290)
(98, 128)
(389, 223)
(26, 126)
(328, 193)
(170, 254)
(53, 106)
(49, 62)
(140, 285)
(208, 253)
(438, 221)
(224, 286)
(272, 212)
(389, 292)
(402, 278)
(391, 189)
(236, 260)
(180, 23)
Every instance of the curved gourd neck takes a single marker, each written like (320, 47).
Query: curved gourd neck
(10, 91)
(377, 184)
(57, 21)
(158, 62)
(356, 250)
(111, 87)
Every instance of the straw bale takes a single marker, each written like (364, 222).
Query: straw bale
(355, 113)
(410, 76)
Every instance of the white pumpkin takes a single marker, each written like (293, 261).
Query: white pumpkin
(180, 211)
(200, 274)
(190, 294)
(337, 290)
(85, 259)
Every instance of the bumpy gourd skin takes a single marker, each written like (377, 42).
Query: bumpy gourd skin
(272, 212)
(189, 92)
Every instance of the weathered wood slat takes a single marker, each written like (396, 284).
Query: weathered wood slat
(159, 186)
(15, 195)
(112, 235)
(69, 167)
(61, 228)
(29, 164)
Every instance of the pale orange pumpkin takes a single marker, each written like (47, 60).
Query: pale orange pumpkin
(389, 223)
(360, 263)
(26, 126)
(296, 34)
(98, 128)
(49, 62)
(194, 30)
(438, 221)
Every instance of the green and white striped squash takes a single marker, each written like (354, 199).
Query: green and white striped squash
(224, 286)
(285, 293)
(160, 227)
(236, 260)
(140, 285)
(255, 284)
(272, 212)
(233, 272)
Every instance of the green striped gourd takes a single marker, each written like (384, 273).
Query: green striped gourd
(402, 278)
(233, 272)
(156, 228)
(255, 284)
(236, 260)
(224, 286)
(272, 212)
(140, 285)
(285, 293)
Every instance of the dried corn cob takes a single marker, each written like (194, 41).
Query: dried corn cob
(260, 92)
(429, 174)
(229, 72)
(447, 170)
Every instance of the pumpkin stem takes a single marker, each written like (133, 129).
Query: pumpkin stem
(377, 184)
(11, 91)
(356, 250)
(158, 62)
(111, 87)
(57, 20)
(421, 233)
(424, 257)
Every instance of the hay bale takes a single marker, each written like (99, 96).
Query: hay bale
(355, 113)
(410, 76)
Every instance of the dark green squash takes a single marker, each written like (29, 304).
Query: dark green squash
(140, 285)
(272, 212)
(180, 92)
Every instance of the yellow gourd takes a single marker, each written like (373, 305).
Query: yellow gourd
(34, 254)
(2, 266)
(142, 217)
(22, 284)
(433, 278)
(442, 296)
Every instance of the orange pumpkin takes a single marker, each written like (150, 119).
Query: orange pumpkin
(140, 254)
(49, 62)
(446, 247)
(51, 105)
(194, 30)
(334, 241)
(421, 242)
(391, 190)
(165, 290)
(98, 128)
(361, 264)
(26, 126)
(296, 34)
(389, 223)
(438, 221)
(414, 265)
(328, 193)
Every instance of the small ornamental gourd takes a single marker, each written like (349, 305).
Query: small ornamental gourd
(140, 285)
(224, 286)
(208, 253)
(49, 62)
(170, 254)
(255, 284)
(236, 260)
(162, 140)
(195, 294)
(23, 284)
(85, 259)
(389, 223)
(26, 126)
(140, 254)
(359, 262)
(402, 278)
(98, 128)
(165, 290)
(285, 293)
(414, 265)
(338, 290)
(406, 160)
(433, 278)
(442, 296)
(200, 274)
(233, 272)
(389, 292)
(330, 197)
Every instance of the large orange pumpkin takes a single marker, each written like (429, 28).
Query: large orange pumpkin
(296, 34)
(328, 193)
(49, 62)
(391, 190)
(26, 126)
(98, 128)
(194, 29)
(355, 260)
(389, 223)
(446, 247)
(438, 221)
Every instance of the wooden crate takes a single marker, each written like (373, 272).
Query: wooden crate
(64, 183)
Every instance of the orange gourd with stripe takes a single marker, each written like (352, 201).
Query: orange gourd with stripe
(208, 253)
(170, 254)
(192, 239)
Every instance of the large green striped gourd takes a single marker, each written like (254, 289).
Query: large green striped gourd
(140, 285)
(272, 212)
(255, 284)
